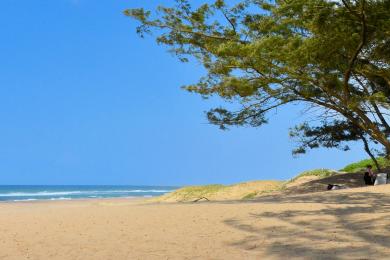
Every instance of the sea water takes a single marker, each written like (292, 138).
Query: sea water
(69, 192)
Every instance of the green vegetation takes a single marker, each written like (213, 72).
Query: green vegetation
(332, 56)
(255, 194)
(330, 135)
(237, 191)
(200, 191)
(253, 189)
(250, 196)
(361, 165)
(320, 173)
(192, 192)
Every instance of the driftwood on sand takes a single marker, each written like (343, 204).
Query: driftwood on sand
(201, 198)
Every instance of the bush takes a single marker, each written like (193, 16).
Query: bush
(361, 165)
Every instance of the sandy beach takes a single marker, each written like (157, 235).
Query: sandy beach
(349, 224)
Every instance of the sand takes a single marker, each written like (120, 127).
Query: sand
(219, 192)
(348, 224)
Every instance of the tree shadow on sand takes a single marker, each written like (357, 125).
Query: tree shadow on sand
(332, 226)
(351, 180)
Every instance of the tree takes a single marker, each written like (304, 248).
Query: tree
(332, 55)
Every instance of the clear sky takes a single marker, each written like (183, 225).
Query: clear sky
(84, 100)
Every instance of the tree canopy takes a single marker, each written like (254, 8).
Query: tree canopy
(332, 55)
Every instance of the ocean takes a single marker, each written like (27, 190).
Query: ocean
(70, 192)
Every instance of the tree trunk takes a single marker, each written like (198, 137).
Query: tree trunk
(368, 151)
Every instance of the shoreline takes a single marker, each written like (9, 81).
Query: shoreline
(44, 201)
(25, 193)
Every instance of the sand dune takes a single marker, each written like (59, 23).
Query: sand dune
(254, 189)
(238, 191)
(311, 184)
(348, 224)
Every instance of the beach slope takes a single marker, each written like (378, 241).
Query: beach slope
(347, 224)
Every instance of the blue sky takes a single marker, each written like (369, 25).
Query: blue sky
(84, 100)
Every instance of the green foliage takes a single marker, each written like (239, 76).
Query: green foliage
(250, 196)
(199, 191)
(328, 135)
(361, 165)
(320, 173)
(331, 55)
(334, 134)
(255, 194)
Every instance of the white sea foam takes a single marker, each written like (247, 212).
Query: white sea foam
(61, 198)
(25, 200)
(39, 194)
(64, 193)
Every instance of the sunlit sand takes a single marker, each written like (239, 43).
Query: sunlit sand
(348, 224)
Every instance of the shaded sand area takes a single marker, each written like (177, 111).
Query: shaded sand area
(347, 224)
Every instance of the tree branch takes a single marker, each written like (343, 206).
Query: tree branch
(351, 62)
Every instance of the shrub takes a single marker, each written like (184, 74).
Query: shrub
(361, 165)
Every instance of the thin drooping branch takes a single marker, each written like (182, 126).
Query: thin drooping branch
(351, 63)
(229, 20)
(252, 115)
(200, 34)
(378, 112)
(368, 151)
(380, 116)
(367, 125)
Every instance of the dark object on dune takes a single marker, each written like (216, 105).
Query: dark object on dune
(336, 187)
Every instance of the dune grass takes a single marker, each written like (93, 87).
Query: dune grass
(200, 191)
(255, 194)
(361, 165)
(250, 195)
(321, 173)
(245, 190)
(191, 192)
